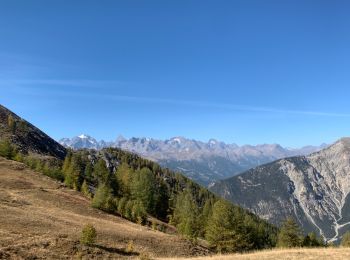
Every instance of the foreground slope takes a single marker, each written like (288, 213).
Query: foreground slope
(40, 218)
(313, 189)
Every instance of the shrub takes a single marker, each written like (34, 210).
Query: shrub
(19, 157)
(7, 150)
(88, 235)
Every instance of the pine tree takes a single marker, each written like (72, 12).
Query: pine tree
(186, 214)
(225, 229)
(103, 198)
(138, 212)
(123, 175)
(121, 206)
(206, 214)
(101, 172)
(289, 234)
(88, 172)
(85, 190)
(143, 188)
(74, 175)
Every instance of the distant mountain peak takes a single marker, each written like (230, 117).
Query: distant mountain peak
(204, 162)
(84, 136)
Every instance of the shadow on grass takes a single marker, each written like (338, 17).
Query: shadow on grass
(120, 251)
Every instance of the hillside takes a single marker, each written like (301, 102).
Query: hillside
(42, 219)
(313, 189)
(26, 137)
(203, 162)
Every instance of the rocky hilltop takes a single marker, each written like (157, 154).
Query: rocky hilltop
(26, 137)
(313, 189)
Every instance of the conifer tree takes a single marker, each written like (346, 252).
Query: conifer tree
(123, 175)
(143, 188)
(88, 172)
(225, 229)
(186, 215)
(85, 190)
(289, 234)
(101, 172)
(103, 198)
(74, 175)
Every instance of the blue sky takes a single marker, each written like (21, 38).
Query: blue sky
(238, 71)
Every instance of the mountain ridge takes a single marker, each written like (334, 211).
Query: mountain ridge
(204, 162)
(314, 189)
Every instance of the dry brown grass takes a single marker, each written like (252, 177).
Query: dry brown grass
(41, 219)
(282, 254)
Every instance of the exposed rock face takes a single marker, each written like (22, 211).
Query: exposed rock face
(204, 162)
(313, 189)
(27, 137)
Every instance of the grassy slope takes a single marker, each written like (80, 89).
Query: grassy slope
(285, 254)
(39, 217)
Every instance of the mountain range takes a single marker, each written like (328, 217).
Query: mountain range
(204, 162)
(313, 189)
(45, 187)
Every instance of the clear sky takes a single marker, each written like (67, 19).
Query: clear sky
(239, 71)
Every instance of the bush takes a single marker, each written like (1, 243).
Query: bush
(88, 235)
(7, 150)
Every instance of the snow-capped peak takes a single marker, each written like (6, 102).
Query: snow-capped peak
(83, 136)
